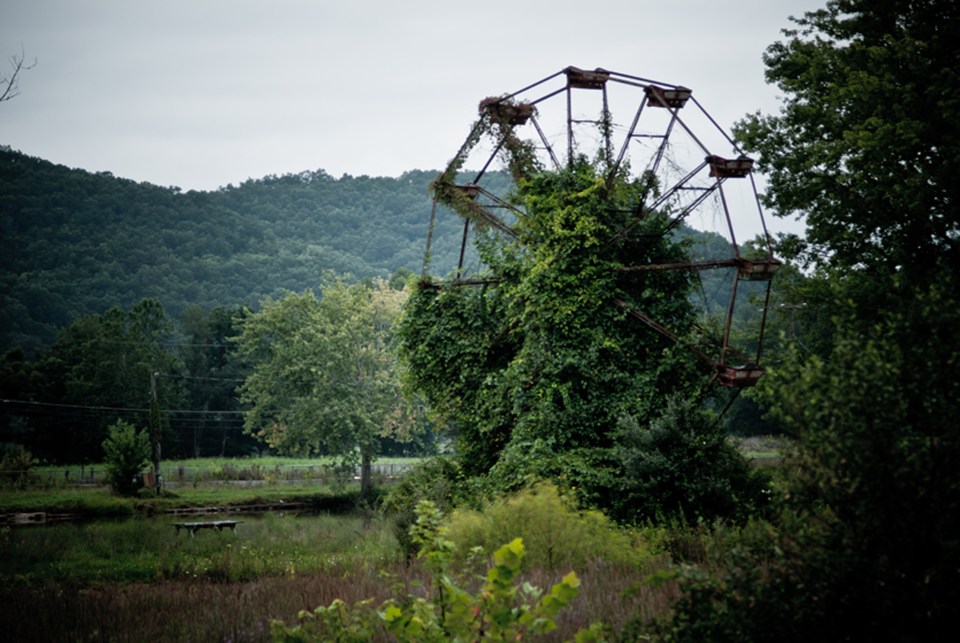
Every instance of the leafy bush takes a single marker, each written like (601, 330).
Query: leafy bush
(436, 480)
(15, 467)
(502, 610)
(555, 533)
(126, 451)
(683, 465)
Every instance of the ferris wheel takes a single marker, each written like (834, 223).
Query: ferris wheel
(698, 179)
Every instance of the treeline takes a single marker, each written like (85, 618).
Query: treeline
(106, 367)
(74, 243)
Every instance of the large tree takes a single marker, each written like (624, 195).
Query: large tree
(867, 148)
(324, 378)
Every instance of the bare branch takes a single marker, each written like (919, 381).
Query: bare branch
(10, 85)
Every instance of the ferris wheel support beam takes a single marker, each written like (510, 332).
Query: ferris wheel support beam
(628, 138)
(546, 144)
(728, 324)
(660, 328)
(499, 126)
(763, 321)
(763, 221)
(642, 212)
(726, 214)
(532, 85)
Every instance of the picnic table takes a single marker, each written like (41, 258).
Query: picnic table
(219, 525)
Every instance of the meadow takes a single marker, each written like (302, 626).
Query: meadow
(120, 570)
(137, 578)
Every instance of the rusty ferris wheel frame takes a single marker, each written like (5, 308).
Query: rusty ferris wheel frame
(513, 127)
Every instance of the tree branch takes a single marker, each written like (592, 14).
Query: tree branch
(10, 84)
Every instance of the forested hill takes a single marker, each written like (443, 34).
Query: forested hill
(74, 243)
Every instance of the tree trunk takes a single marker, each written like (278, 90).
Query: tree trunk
(366, 473)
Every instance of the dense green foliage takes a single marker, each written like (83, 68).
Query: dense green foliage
(73, 243)
(555, 533)
(126, 451)
(15, 467)
(537, 369)
(81, 251)
(502, 609)
(101, 362)
(865, 545)
(325, 379)
(99, 370)
(683, 465)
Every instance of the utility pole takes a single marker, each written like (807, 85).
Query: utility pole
(155, 430)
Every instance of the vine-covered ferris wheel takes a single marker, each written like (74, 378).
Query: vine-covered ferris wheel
(694, 176)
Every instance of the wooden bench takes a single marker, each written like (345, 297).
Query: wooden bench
(219, 525)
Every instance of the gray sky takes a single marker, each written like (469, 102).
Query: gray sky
(204, 93)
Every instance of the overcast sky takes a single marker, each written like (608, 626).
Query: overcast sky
(204, 93)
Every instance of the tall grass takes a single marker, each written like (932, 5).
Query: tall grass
(151, 549)
(88, 501)
(137, 579)
(241, 611)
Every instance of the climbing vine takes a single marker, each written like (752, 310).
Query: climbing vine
(541, 359)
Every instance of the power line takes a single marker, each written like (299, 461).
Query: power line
(115, 409)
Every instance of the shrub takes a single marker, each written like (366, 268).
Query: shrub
(15, 467)
(554, 532)
(126, 451)
(683, 466)
(502, 609)
(435, 480)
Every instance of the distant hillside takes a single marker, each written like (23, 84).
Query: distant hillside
(74, 242)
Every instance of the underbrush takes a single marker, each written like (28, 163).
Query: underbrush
(555, 533)
(138, 578)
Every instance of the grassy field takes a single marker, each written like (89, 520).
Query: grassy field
(199, 470)
(147, 549)
(136, 579)
(124, 573)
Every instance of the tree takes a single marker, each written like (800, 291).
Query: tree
(866, 144)
(683, 465)
(867, 147)
(126, 451)
(324, 378)
(213, 372)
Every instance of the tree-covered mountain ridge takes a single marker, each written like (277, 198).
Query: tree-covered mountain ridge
(74, 242)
